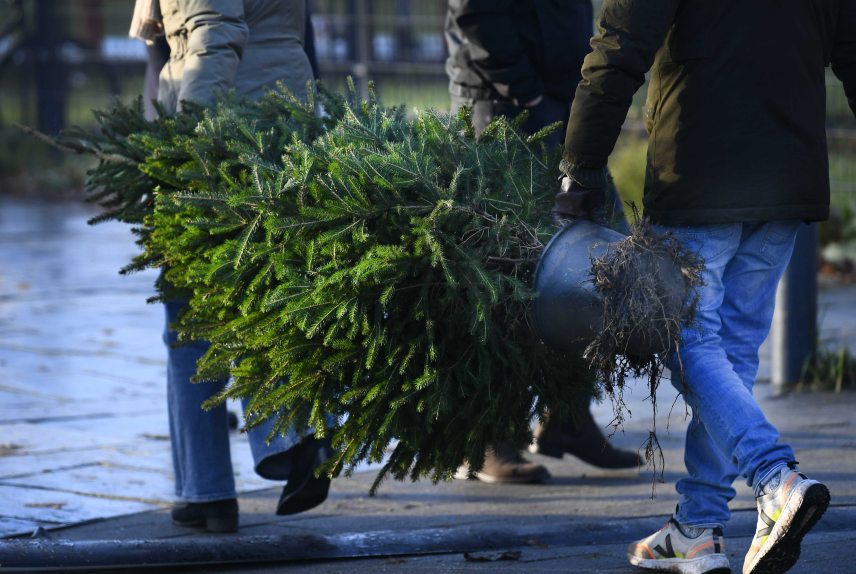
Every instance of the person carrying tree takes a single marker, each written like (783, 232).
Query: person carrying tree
(737, 160)
(506, 57)
(218, 46)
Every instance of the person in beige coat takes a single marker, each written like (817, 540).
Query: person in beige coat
(242, 45)
(216, 47)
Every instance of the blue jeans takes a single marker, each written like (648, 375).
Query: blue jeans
(200, 439)
(728, 435)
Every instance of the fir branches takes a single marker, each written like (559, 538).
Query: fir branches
(360, 273)
(372, 283)
(192, 149)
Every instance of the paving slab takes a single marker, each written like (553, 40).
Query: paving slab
(31, 438)
(18, 409)
(60, 507)
(105, 481)
(143, 456)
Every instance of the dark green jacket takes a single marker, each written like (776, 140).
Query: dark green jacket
(736, 103)
(241, 45)
(516, 49)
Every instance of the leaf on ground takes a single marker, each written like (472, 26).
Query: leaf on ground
(493, 556)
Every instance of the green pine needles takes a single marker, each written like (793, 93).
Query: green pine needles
(373, 284)
(360, 274)
(137, 156)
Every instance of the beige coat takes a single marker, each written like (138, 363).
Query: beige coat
(241, 45)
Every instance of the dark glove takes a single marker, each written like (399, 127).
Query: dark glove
(581, 200)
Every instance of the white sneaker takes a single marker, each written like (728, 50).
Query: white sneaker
(670, 550)
(785, 515)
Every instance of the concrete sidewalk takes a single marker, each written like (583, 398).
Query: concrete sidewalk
(580, 522)
(83, 449)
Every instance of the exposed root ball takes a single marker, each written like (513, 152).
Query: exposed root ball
(645, 283)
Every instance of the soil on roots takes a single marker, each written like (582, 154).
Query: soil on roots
(648, 286)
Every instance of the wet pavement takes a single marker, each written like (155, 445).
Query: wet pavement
(84, 449)
(83, 427)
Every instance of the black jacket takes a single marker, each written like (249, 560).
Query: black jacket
(736, 103)
(516, 49)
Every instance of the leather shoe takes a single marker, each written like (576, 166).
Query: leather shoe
(219, 516)
(504, 464)
(304, 490)
(584, 440)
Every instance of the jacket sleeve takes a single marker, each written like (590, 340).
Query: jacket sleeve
(629, 34)
(495, 49)
(216, 35)
(844, 51)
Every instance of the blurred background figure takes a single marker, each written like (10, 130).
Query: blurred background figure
(507, 57)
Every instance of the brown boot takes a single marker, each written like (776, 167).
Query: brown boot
(504, 464)
(584, 440)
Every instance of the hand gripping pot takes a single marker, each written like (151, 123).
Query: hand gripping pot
(568, 311)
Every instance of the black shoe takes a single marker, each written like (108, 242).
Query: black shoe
(219, 516)
(583, 440)
(304, 490)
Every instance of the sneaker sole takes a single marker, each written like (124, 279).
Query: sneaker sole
(711, 564)
(783, 545)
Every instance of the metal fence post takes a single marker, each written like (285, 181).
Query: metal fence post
(50, 71)
(362, 21)
(794, 331)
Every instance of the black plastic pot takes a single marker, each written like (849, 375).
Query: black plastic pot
(568, 312)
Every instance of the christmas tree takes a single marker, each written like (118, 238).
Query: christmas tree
(362, 274)
(377, 275)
